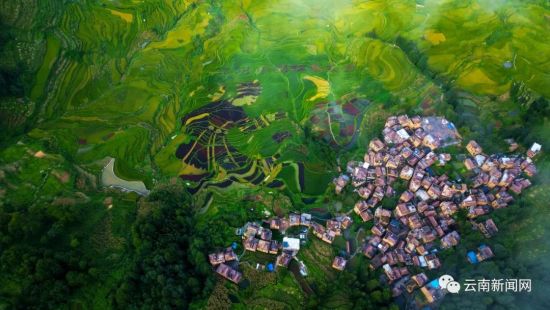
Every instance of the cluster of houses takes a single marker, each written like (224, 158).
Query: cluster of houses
(422, 222)
(290, 246)
(259, 238)
(495, 175)
(221, 261)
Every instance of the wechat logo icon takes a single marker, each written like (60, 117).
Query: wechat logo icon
(448, 282)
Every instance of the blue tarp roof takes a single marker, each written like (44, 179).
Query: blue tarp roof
(270, 267)
(434, 283)
(472, 257)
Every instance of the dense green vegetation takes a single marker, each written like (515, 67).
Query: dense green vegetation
(85, 81)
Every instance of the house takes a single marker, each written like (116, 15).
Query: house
(469, 201)
(294, 219)
(448, 208)
(360, 206)
(519, 185)
(382, 215)
(470, 164)
(229, 255)
(365, 191)
(416, 281)
(476, 211)
(393, 174)
(390, 239)
(416, 140)
(403, 134)
(487, 228)
(473, 148)
(376, 145)
(406, 196)
(378, 230)
(415, 184)
(422, 194)
(365, 214)
(283, 260)
(513, 145)
(403, 209)
(391, 121)
(340, 183)
(377, 261)
(275, 223)
(481, 199)
(318, 230)
(404, 121)
(480, 159)
(416, 122)
(430, 142)
(432, 291)
(284, 224)
(369, 250)
(216, 258)
(506, 163)
(420, 279)
(378, 193)
(443, 159)
(394, 273)
(534, 150)
(414, 221)
(451, 239)
(489, 164)
(359, 176)
(434, 191)
(483, 252)
(447, 192)
(263, 246)
(250, 244)
(391, 258)
(229, 273)
(406, 152)
(390, 192)
(328, 236)
(335, 226)
(274, 247)
(305, 219)
(291, 244)
(530, 170)
(251, 229)
(345, 221)
(265, 234)
(427, 235)
(339, 263)
(432, 261)
(499, 203)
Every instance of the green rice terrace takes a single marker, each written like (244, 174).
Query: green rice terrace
(139, 137)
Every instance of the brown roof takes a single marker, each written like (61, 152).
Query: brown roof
(283, 259)
(263, 246)
(339, 263)
(229, 273)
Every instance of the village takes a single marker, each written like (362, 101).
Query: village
(423, 221)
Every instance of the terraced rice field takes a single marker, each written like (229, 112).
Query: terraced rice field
(143, 81)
